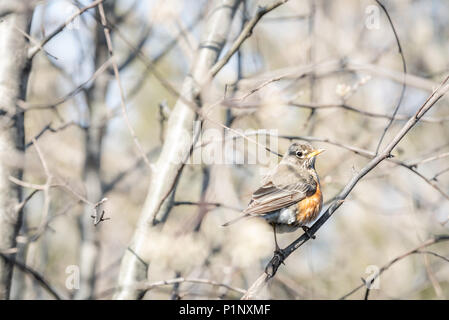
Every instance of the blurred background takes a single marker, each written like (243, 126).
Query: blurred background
(326, 71)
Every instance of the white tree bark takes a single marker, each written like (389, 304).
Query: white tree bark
(14, 71)
(177, 144)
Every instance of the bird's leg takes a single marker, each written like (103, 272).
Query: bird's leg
(278, 251)
(277, 248)
(277, 259)
(307, 232)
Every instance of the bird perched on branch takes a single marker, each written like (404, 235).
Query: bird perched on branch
(290, 196)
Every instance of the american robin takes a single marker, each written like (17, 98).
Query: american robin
(290, 196)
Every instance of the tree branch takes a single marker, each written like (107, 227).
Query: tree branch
(404, 69)
(416, 250)
(34, 50)
(244, 34)
(36, 275)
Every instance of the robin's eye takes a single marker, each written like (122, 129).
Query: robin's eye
(299, 154)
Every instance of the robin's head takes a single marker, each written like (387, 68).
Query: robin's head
(302, 153)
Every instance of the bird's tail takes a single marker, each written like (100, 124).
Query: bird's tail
(236, 220)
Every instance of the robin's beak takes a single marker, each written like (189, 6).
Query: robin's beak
(315, 153)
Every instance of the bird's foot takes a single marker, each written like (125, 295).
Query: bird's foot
(307, 232)
(275, 262)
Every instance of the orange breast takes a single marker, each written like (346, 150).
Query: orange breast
(309, 207)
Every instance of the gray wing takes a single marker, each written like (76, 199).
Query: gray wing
(280, 191)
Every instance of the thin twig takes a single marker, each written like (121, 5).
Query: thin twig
(123, 174)
(404, 84)
(36, 275)
(48, 127)
(33, 50)
(47, 186)
(27, 107)
(430, 159)
(363, 112)
(213, 204)
(146, 286)
(416, 250)
(245, 34)
(41, 187)
(119, 84)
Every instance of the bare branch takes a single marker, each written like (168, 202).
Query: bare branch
(244, 34)
(33, 50)
(147, 286)
(71, 94)
(213, 204)
(36, 275)
(404, 85)
(416, 250)
(122, 93)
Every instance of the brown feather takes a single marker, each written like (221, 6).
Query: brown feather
(291, 182)
(282, 189)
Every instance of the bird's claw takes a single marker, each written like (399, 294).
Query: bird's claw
(275, 262)
(307, 232)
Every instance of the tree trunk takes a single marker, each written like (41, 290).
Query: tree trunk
(177, 144)
(14, 71)
(96, 95)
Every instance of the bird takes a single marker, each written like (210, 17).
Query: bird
(290, 196)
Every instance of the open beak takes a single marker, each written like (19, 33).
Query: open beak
(315, 153)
